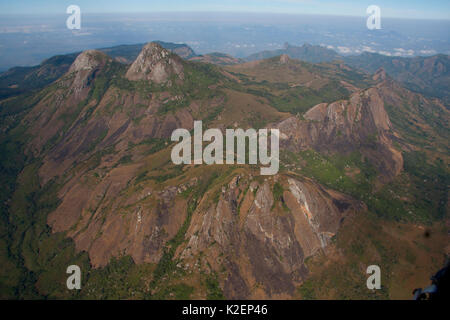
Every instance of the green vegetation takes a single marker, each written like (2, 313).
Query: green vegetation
(332, 171)
(418, 194)
(39, 257)
(412, 120)
(32, 79)
(297, 99)
(365, 240)
(167, 265)
(416, 73)
(307, 291)
(120, 279)
(172, 106)
(155, 145)
(125, 159)
(278, 196)
(213, 289)
(429, 184)
(301, 99)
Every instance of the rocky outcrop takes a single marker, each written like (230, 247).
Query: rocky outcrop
(357, 124)
(262, 243)
(84, 69)
(88, 60)
(106, 224)
(157, 65)
(284, 58)
(379, 75)
(51, 115)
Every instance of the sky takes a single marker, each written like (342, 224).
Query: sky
(412, 9)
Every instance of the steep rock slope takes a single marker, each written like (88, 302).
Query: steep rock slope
(262, 237)
(357, 124)
(155, 64)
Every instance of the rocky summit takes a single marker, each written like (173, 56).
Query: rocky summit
(156, 64)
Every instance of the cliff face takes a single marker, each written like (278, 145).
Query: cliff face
(105, 223)
(84, 69)
(357, 124)
(156, 64)
(263, 241)
(62, 100)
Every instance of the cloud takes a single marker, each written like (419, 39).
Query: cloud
(344, 50)
(427, 52)
(368, 49)
(385, 53)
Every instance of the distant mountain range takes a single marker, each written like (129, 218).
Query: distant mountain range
(218, 58)
(128, 53)
(21, 79)
(306, 52)
(18, 80)
(426, 75)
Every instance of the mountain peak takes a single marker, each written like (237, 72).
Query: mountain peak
(380, 75)
(180, 49)
(88, 60)
(306, 52)
(284, 58)
(155, 64)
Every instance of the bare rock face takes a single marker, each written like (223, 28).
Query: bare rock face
(284, 58)
(263, 246)
(132, 225)
(84, 68)
(380, 75)
(88, 60)
(45, 120)
(155, 64)
(358, 124)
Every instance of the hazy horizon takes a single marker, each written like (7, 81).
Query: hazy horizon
(27, 39)
(432, 9)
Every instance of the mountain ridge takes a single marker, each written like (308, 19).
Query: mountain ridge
(12, 81)
(103, 187)
(306, 52)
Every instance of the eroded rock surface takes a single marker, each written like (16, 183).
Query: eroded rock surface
(155, 64)
(263, 246)
(357, 124)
